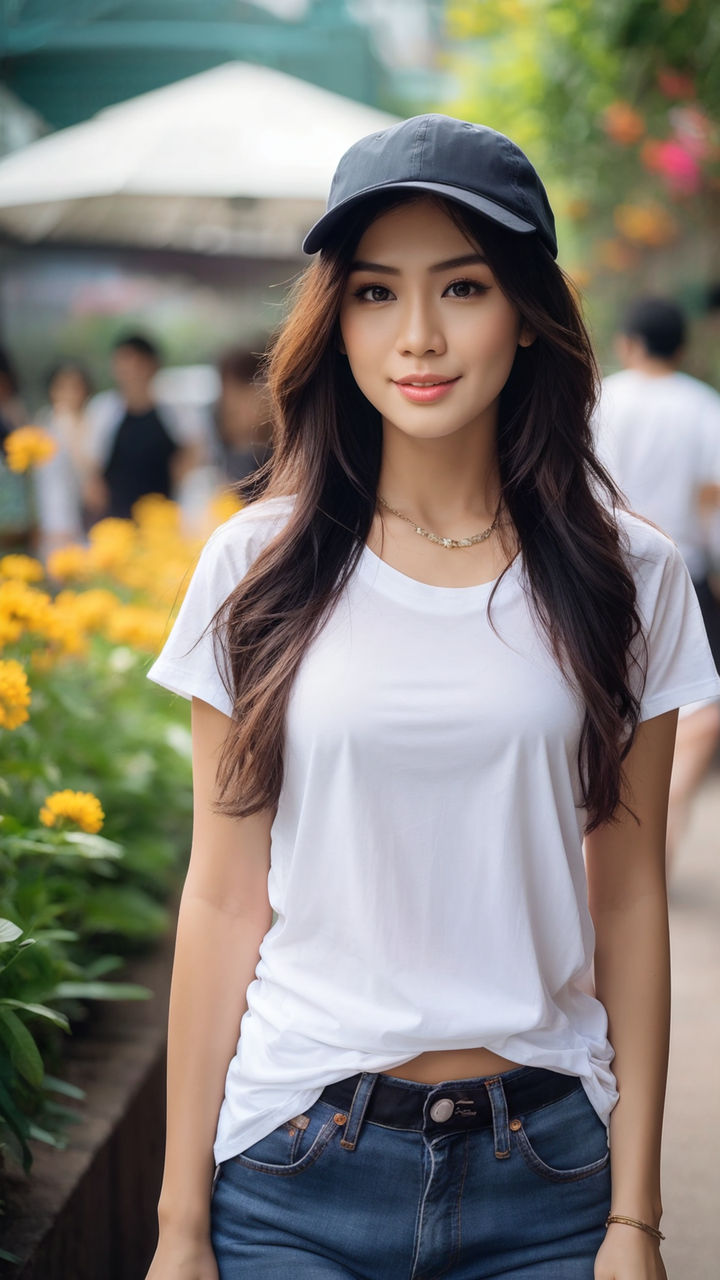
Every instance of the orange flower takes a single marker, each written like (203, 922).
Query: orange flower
(623, 123)
(648, 224)
(616, 255)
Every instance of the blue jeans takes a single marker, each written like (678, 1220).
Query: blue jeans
(466, 1180)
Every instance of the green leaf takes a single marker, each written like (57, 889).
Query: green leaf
(102, 991)
(41, 1010)
(9, 1257)
(9, 931)
(53, 1085)
(93, 846)
(16, 1121)
(31, 844)
(24, 1052)
(52, 1139)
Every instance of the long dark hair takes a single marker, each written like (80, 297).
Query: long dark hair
(328, 444)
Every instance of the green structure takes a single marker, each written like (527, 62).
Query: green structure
(67, 59)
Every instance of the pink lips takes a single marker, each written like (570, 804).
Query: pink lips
(424, 389)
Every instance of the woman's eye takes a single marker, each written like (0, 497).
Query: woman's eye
(465, 288)
(373, 293)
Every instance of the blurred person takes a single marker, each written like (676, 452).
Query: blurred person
(658, 432)
(63, 483)
(242, 414)
(139, 444)
(18, 524)
(13, 413)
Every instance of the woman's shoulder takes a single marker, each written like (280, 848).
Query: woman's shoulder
(643, 541)
(654, 560)
(244, 535)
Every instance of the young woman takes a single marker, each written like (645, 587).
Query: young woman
(428, 661)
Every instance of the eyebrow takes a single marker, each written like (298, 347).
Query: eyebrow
(468, 259)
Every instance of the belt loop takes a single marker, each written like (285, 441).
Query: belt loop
(358, 1107)
(498, 1104)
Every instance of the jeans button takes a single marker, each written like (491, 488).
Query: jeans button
(442, 1109)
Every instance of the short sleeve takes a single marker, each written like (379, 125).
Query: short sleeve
(188, 661)
(680, 667)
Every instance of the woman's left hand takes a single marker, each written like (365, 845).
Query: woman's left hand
(629, 1254)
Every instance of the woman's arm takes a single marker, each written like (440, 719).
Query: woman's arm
(628, 903)
(224, 915)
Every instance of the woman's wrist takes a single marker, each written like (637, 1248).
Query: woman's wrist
(645, 1210)
(187, 1221)
(617, 1225)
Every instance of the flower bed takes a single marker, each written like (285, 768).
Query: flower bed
(94, 791)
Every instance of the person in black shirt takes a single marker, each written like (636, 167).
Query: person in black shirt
(144, 454)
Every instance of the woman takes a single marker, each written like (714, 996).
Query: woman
(64, 484)
(439, 656)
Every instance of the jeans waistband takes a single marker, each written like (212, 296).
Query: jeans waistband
(451, 1106)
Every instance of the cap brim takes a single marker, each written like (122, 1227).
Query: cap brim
(318, 234)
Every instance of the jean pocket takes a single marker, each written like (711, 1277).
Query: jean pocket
(295, 1144)
(565, 1141)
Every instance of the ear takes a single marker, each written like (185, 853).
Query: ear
(527, 336)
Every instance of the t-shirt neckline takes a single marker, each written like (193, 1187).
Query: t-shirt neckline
(393, 582)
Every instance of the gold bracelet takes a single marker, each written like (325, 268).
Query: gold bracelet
(634, 1222)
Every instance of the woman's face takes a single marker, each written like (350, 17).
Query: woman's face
(68, 390)
(429, 335)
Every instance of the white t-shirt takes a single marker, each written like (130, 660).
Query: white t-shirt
(426, 855)
(660, 440)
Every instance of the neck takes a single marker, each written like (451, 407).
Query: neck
(653, 366)
(450, 484)
(138, 401)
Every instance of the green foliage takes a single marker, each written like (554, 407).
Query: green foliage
(617, 102)
(75, 904)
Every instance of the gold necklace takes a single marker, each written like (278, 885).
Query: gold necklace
(444, 542)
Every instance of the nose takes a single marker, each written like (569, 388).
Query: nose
(419, 330)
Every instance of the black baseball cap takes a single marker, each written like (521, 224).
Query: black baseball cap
(470, 163)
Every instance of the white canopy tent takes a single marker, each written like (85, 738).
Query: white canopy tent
(234, 160)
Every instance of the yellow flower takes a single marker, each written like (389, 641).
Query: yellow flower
(138, 625)
(24, 604)
(80, 807)
(14, 694)
(156, 514)
(72, 561)
(22, 568)
(65, 630)
(29, 447)
(10, 629)
(112, 542)
(91, 609)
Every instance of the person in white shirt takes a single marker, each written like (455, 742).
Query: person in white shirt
(658, 432)
(413, 1030)
(61, 484)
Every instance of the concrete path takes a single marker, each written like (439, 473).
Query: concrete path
(691, 1163)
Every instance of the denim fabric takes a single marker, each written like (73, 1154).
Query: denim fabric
(343, 1196)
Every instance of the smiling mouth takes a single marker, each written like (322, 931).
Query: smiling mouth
(426, 382)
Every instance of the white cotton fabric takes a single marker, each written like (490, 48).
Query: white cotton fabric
(426, 855)
(660, 440)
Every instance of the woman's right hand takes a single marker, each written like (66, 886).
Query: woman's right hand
(183, 1257)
